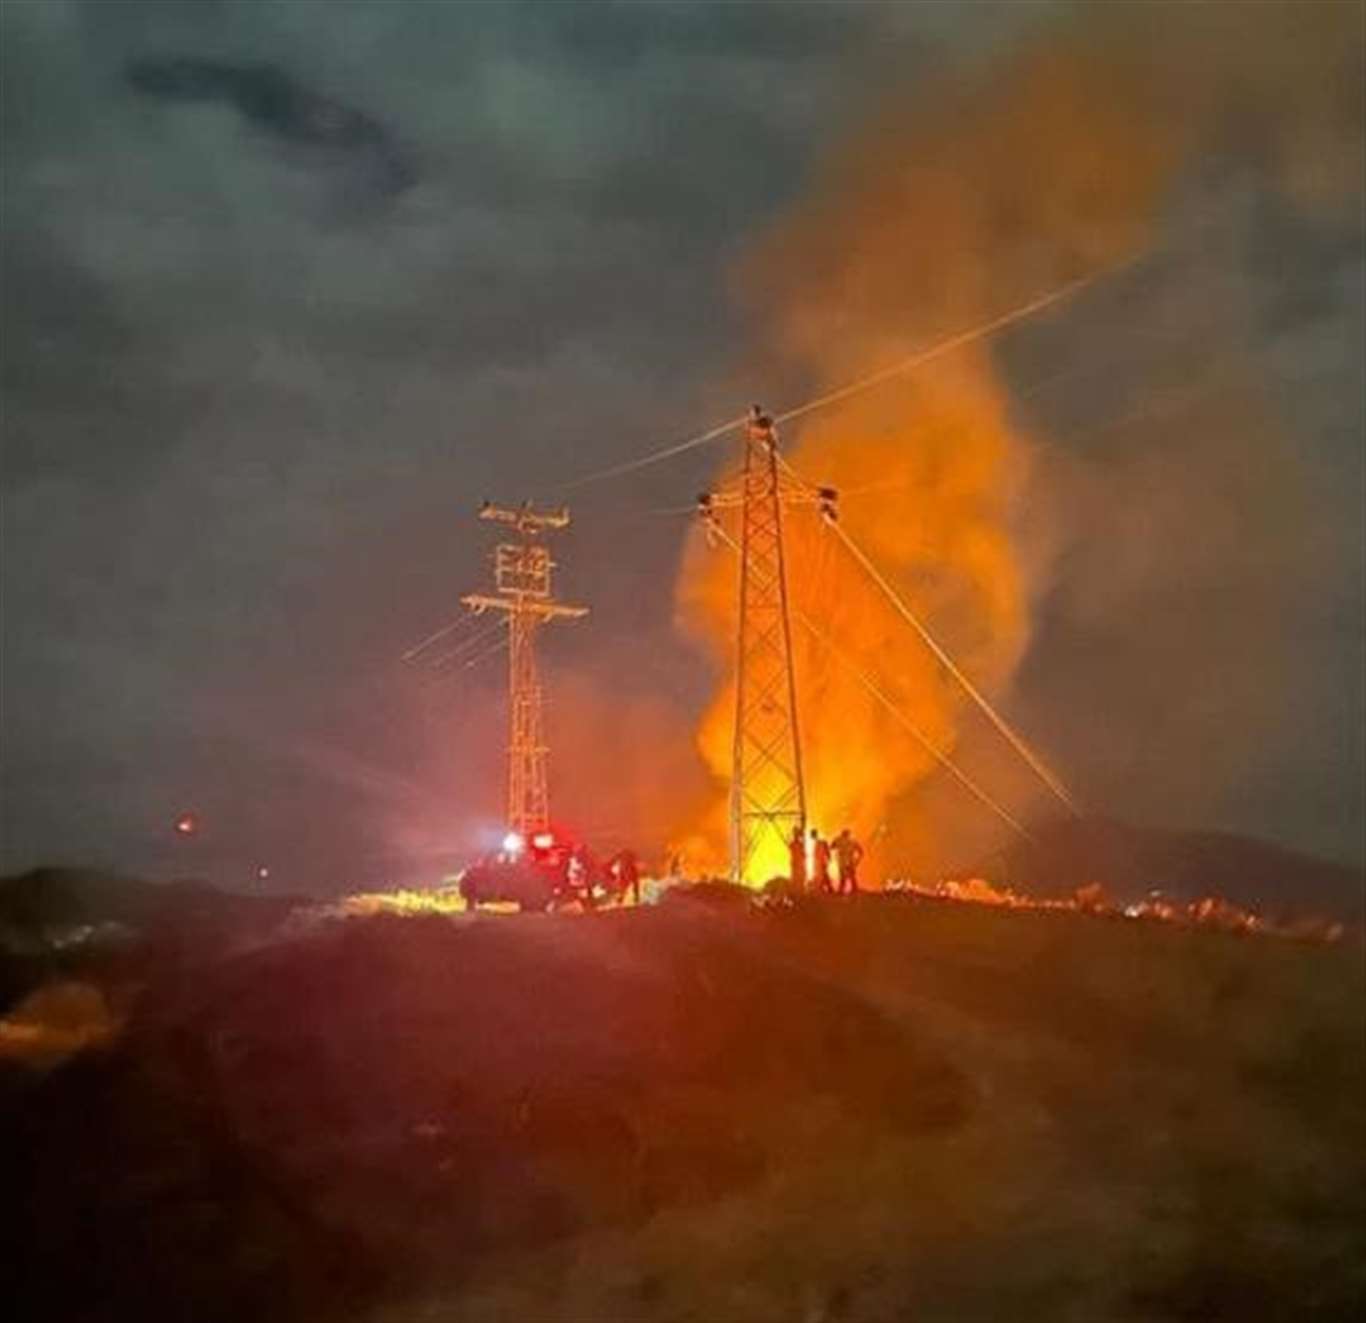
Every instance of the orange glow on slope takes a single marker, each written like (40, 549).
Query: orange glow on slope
(1207, 912)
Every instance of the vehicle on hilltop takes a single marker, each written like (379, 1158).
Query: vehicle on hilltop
(544, 871)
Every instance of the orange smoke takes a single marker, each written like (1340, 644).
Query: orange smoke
(903, 241)
(946, 210)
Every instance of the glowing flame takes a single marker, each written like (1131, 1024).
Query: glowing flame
(930, 221)
(955, 202)
(927, 471)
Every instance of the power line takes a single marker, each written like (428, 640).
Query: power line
(1015, 740)
(1181, 397)
(631, 465)
(479, 636)
(436, 678)
(901, 718)
(953, 342)
(907, 364)
(909, 726)
(431, 638)
(1012, 736)
(492, 650)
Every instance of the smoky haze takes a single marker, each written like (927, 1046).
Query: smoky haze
(256, 383)
(1180, 540)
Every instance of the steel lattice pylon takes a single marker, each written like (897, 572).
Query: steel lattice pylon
(528, 792)
(522, 573)
(767, 796)
(767, 791)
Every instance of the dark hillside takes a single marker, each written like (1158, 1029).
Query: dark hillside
(113, 930)
(860, 1111)
(46, 901)
(1131, 861)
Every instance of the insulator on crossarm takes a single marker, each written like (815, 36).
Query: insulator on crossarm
(761, 426)
(707, 509)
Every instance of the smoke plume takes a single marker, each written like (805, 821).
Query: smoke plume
(953, 203)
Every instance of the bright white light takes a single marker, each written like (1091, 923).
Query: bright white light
(513, 843)
(543, 840)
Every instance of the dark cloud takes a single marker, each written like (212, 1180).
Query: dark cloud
(271, 100)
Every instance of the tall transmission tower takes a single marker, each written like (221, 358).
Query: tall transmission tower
(767, 789)
(522, 574)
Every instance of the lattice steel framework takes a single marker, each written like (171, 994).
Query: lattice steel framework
(767, 793)
(522, 575)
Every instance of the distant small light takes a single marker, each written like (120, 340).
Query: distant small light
(186, 824)
(513, 843)
(543, 840)
(263, 872)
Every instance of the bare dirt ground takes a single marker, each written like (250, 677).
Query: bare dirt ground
(878, 1110)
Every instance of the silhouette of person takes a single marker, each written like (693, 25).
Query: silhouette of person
(849, 853)
(820, 863)
(796, 852)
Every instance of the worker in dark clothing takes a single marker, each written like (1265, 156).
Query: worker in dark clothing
(849, 853)
(820, 863)
(627, 871)
(796, 853)
(579, 876)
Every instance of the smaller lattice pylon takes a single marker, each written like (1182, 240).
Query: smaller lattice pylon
(522, 578)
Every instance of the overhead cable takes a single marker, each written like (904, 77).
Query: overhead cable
(871, 685)
(905, 722)
(431, 638)
(480, 635)
(435, 677)
(953, 342)
(907, 364)
(677, 448)
(1015, 740)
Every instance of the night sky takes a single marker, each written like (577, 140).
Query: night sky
(289, 289)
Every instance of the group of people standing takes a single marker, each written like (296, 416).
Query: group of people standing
(811, 860)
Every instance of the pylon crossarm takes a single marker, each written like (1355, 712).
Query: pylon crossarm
(525, 518)
(481, 602)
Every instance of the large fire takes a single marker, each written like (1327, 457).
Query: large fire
(926, 473)
(953, 203)
(905, 240)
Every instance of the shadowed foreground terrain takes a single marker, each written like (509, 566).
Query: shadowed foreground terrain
(879, 1110)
